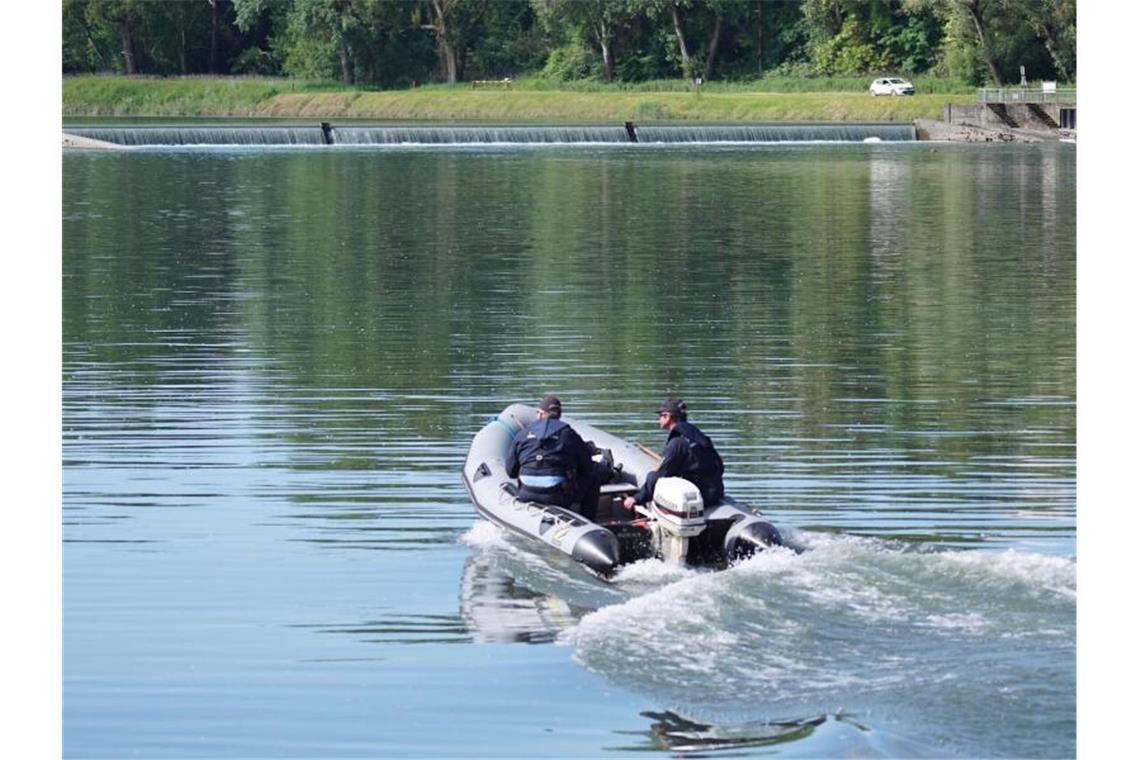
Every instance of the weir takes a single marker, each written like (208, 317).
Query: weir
(331, 134)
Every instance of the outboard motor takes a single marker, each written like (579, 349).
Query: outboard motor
(679, 513)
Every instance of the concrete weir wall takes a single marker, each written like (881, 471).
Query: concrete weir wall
(1003, 115)
(75, 141)
(1001, 122)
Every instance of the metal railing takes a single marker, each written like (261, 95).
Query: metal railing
(1065, 96)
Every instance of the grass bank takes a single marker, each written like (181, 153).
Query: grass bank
(778, 100)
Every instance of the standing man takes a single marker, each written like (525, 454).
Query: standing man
(688, 454)
(553, 463)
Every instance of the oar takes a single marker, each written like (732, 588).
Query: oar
(645, 449)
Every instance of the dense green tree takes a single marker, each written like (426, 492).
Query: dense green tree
(719, 14)
(456, 25)
(598, 23)
(327, 35)
(145, 37)
(89, 44)
(851, 37)
(974, 15)
(509, 41)
(699, 26)
(1005, 35)
(177, 37)
(119, 21)
(779, 38)
(247, 13)
(1055, 22)
(259, 21)
(355, 41)
(401, 42)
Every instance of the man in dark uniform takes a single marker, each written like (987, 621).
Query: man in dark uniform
(553, 463)
(688, 454)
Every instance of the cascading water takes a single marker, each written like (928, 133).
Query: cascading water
(460, 135)
(492, 134)
(203, 135)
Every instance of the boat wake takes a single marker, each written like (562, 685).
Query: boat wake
(862, 625)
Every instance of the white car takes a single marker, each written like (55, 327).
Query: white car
(891, 86)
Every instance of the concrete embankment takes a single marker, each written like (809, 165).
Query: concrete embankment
(75, 141)
(929, 129)
(1022, 121)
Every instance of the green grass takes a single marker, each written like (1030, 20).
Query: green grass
(189, 96)
(529, 100)
(785, 84)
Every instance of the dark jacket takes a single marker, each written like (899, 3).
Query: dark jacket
(549, 447)
(688, 454)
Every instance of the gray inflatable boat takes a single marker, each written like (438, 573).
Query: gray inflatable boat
(676, 527)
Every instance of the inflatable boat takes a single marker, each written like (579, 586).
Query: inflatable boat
(676, 526)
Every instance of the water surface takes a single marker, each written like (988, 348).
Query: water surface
(274, 360)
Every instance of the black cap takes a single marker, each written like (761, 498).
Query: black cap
(674, 406)
(552, 406)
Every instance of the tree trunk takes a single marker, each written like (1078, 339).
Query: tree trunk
(213, 36)
(686, 61)
(760, 38)
(1046, 36)
(347, 69)
(447, 54)
(95, 45)
(607, 62)
(971, 8)
(714, 42)
(602, 32)
(450, 61)
(128, 43)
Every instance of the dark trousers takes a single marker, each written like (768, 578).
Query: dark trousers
(557, 496)
(588, 492)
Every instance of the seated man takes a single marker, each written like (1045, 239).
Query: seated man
(688, 454)
(553, 463)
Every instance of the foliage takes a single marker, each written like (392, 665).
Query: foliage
(849, 37)
(510, 42)
(912, 46)
(846, 52)
(571, 61)
(992, 39)
(397, 43)
(256, 62)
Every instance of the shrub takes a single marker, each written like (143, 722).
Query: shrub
(257, 62)
(571, 61)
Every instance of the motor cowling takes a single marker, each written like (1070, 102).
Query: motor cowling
(679, 513)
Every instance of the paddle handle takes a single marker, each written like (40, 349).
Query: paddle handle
(648, 450)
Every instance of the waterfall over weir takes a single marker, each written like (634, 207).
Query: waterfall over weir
(325, 134)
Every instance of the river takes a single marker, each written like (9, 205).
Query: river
(274, 359)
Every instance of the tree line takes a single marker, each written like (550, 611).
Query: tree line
(402, 43)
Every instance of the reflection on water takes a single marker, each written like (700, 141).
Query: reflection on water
(670, 731)
(404, 629)
(496, 608)
(273, 363)
(838, 735)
